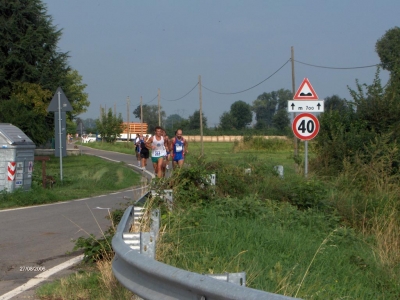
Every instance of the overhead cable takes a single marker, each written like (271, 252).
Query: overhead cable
(151, 100)
(183, 95)
(337, 68)
(221, 93)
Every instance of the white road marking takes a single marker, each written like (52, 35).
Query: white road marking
(63, 202)
(41, 277)
(108, 158)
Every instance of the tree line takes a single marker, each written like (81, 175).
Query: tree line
(31, 69)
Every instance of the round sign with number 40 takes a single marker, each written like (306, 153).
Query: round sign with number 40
(305, 126)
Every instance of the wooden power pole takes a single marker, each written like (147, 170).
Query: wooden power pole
(141, 116)
(128, 102)
(159, 113)
(201, 117)
(295, 141)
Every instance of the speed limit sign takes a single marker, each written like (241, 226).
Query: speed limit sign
(305, 126)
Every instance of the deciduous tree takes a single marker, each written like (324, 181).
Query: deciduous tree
(109, 126)
(173, 121)
(27, 109)
(267, 104)
(334, 102)
(388, 49)
(227, 121)
(150, 115)
(241, 114)
(75, 92)
(194, 120)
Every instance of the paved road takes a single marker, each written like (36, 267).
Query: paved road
(41, 235)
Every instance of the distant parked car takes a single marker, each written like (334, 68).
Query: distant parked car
(86, 138)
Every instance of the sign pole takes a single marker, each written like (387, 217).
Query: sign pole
(306, 158)
(59, 104)
(59, 132)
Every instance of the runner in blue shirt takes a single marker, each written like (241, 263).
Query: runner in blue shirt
(178, 147)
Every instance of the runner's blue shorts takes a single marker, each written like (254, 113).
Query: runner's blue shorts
(178, 156)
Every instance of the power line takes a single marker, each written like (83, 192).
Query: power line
(151, 100)
(337, 68)
(183, 95)
(249, 87)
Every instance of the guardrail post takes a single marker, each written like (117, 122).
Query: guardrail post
(167, 196)
(148, 244)
(155, 221)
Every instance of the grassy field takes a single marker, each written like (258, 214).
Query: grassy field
(304, 254)
(122, 147)
(286, 234)
(225, 152)
(83, 176)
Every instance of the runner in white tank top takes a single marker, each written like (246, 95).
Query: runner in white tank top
(158, 148)
(157, 144)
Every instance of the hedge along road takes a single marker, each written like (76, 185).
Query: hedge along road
(40, 236)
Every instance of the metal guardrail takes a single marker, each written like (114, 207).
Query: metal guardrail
(151, 279)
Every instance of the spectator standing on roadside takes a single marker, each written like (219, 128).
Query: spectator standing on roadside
(178, 147)
(144, 152)
(158, 147)
(137, 148)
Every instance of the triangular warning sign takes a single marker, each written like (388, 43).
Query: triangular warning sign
(305, 91)
(64, 103)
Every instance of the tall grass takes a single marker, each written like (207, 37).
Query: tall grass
(281, 249)
(331, 244)
(368, 198)
(315, 238)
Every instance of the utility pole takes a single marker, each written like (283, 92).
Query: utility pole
(295, 141)
(128, 102)
(141, 115)
(159, 114)
(101, 120)
(201, 117)
(115, 109)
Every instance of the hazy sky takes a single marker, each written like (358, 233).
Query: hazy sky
(131, 48)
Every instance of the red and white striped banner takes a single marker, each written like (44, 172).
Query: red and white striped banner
(11, 171)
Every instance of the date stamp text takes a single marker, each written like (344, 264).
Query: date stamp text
(32, 269)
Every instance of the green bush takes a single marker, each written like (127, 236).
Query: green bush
(307, 193)
(95, 249)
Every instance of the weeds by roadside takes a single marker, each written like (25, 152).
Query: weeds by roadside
(320, 238)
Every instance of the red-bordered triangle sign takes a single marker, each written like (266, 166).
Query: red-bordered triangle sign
(305, 91)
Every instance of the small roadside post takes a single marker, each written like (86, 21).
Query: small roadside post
(305, 125)
(60, 105)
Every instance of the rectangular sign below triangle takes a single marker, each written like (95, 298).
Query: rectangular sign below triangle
(305, 91)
